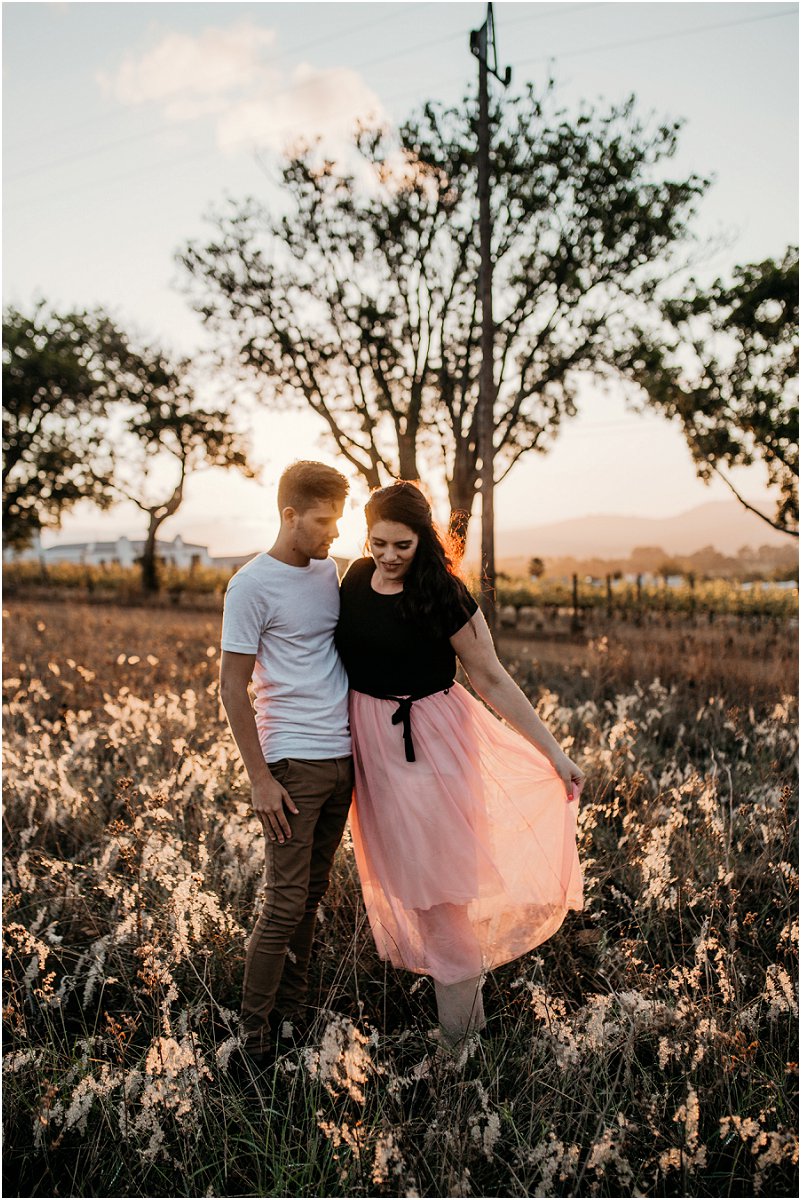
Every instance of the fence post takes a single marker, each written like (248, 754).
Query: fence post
(575, 623)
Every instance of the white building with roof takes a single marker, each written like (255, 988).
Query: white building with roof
(124, 552)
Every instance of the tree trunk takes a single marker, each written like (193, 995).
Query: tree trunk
(461, 493)
(150, 571)
(157, 514)
(457, 531)
(407, 456)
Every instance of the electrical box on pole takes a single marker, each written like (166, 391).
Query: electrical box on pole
(482, 44)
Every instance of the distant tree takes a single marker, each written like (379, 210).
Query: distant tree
(668, 567)
(773, 554)
(361, 301)
(88, 417)
(169, 433)
(647, 558)
(62, 374)
(725, 363)
(708, 558)
(536, 568)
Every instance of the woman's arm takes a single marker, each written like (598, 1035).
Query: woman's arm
(473, 645)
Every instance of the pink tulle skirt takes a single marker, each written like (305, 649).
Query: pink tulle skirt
(467, 857)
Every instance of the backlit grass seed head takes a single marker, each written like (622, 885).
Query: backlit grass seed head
(343, 1062)
(84, 1095)
(224, 1051)
(342, 1135)
(556, 1161)
(691, 1154)
(789, 872)
(607, 1153)
(17, 1060)
(388, 1161)
(774, 1148)
(171, 1085)
(780, 992)
(485, 1130)
(659, 877)
(96, 961)
(49, 1114)
(20, 943)
(770, 1147)
(788, 938)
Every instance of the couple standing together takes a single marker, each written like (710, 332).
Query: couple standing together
(464, 828)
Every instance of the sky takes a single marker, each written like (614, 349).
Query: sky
(125, 124)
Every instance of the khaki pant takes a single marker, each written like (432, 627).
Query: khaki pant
(297, 873)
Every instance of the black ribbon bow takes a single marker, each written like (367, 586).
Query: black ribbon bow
(403, 716)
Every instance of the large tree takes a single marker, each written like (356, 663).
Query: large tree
(724, 363)
(62, 374)
(90, 416)
(361, 300)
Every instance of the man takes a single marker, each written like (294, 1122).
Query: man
(281, 611)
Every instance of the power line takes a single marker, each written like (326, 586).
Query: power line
(298, 48)
(90, 153)
(172, 161)
(283, 91)
(659, 37)
(454, 37)
(788, 11)
(200, 154)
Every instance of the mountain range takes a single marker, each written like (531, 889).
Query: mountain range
(724, 524)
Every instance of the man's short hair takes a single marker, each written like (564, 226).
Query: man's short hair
(306, 483)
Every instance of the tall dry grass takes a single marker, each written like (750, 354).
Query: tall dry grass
(649, 1048)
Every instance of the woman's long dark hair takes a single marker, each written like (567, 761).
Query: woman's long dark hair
(432, 593)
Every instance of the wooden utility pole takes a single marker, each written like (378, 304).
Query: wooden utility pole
(482, 43)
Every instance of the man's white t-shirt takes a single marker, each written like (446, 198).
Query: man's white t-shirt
(286, 616)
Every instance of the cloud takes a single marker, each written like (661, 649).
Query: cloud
(325, 102)
(224, 74)
(192, 76)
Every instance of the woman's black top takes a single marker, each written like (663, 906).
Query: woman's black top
(385, 654)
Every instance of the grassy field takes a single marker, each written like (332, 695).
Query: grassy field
(649, 1048)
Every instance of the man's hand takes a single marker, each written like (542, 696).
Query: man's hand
(269, 799)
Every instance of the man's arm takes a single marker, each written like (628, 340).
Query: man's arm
(268, 796)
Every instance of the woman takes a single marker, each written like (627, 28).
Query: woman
(464, 829)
